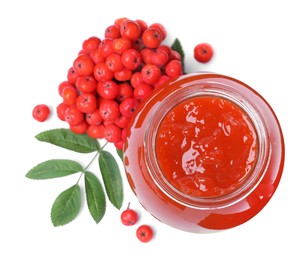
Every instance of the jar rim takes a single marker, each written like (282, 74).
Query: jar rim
(208, 88)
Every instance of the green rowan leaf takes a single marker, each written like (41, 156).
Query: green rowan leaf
(53, 169)
(65, 138)
(66, 206)
(112, 178)
(95, 196)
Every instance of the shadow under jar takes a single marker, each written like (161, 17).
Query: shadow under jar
(204, 152)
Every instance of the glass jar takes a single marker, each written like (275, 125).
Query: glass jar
(204, 205)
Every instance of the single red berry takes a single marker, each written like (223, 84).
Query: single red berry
(125, 91)
(90, 44)
(94, 118)
(129, 217)
(112, 32)
(121, 44)
(63, 85)
(130, 30)
(174, 68)
(108, 89)
(152, 37)
(97, 56)
(146, 55)
(142, 91)
(72, 75)
(142, 24)
(86, 84)
(83, 65)
(119, 144)
(109, 110)
(163, 79)
(41, 112)
(161, 28)
(106, 47)
(166, 48)
(131, 59)
(123, 75)
(144, 233)
(175, 55)
(136, 79)
(60, 110)
(80, 128)
(86, 102)
(120, 21)
(113, 62)
(73, 116)
(70, 95)
(122, 121)
(96, 131)
(128, 106)
(102, 73)
(112, 133)
(159, 57)
(150, 73)
(203, 52)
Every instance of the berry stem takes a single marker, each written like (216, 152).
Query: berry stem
(91, 161)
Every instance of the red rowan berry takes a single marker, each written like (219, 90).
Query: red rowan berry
(108, 89)
(152, 37)
(144, 233)
(130, 30)
(73, 116)
(90, 44)
(102, 73)
(150, 73)
(112, 32)
(86, 102)
(203, 52)
(109, 110)
(80, 128)
(41, 112)
(83, 65)
(112, 133)
(131, 59)
(96, 131)
(86, 84)
(174, 68)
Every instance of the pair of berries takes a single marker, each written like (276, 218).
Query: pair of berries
(129, 217)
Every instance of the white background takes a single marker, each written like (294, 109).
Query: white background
(262, 43)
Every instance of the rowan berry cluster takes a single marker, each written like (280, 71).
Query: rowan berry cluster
(111, 76)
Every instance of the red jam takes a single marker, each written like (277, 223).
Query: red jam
(206, 146)
(204, 152)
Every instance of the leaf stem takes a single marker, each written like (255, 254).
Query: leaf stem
(91, 161)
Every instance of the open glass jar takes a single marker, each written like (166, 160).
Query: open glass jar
(204, 152)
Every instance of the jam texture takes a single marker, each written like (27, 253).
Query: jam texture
(206, 146)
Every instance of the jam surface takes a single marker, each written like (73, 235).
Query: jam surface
(206, 146)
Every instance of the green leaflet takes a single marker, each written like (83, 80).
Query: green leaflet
(65, 138)
(111, 178)
(66, 206)
(95, 197)
(53, 169)
(120, 153)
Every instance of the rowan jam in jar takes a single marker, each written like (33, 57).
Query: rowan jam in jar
(204, 152)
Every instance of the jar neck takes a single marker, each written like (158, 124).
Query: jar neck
(206, 88)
